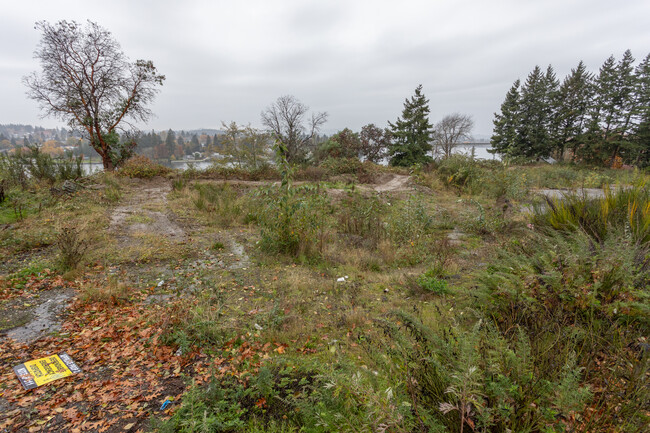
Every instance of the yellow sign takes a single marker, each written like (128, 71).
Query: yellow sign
(33, 374)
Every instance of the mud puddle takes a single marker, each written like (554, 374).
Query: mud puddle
(44, 317)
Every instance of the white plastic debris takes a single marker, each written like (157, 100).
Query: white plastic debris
(161, 282)
(258, 327)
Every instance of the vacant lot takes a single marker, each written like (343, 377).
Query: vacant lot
(453, 298)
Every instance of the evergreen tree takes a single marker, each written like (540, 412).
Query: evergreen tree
(574, 99)
(170, 142)
(533, 135)
(641, 134)
(552, 105)
(602, 114)
(412, 132)
(504, 136)
(194, 144)
(627, 85)
(612, 110)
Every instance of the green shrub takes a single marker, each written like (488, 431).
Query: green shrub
(216, 171)
(40, 166)
(12, 171)
(430, 282)
(335, 166)
(408, 221)
(308, 396)
(490, 178)
(459, 171)
(214, 408)
(143, 168)
(293, 220)
(483, 221)
(505, 182)
(179, 183)
(69, 167)
(361, 215)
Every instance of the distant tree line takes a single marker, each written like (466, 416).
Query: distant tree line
(599, 118)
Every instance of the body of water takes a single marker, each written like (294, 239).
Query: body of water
(480, 151)
(94, 167)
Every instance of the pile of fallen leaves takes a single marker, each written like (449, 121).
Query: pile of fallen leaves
(126, 373)
(29, 286)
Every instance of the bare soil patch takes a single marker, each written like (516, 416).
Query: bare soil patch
(143, 214)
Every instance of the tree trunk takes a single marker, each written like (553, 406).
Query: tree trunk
(107, 162)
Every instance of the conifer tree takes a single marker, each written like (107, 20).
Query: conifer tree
(412, 132)
(602, 113)
(611, 113)
(170, 142)
(533, 135)
(574, 99)
(622, 143)
(552, 105)
(642, 113)
(504, 137)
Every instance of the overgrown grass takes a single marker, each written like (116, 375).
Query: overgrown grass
(626, 210)
(220, 201)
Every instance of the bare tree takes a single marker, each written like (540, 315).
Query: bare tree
(87, 81)
(451, 130)
(287, 122)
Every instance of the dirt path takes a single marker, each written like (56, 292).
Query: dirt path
(397, 183)
(386, 183)
(144, 213)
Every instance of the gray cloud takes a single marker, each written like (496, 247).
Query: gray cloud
(357, 60)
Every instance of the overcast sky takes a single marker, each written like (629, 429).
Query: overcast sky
(357, 60)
